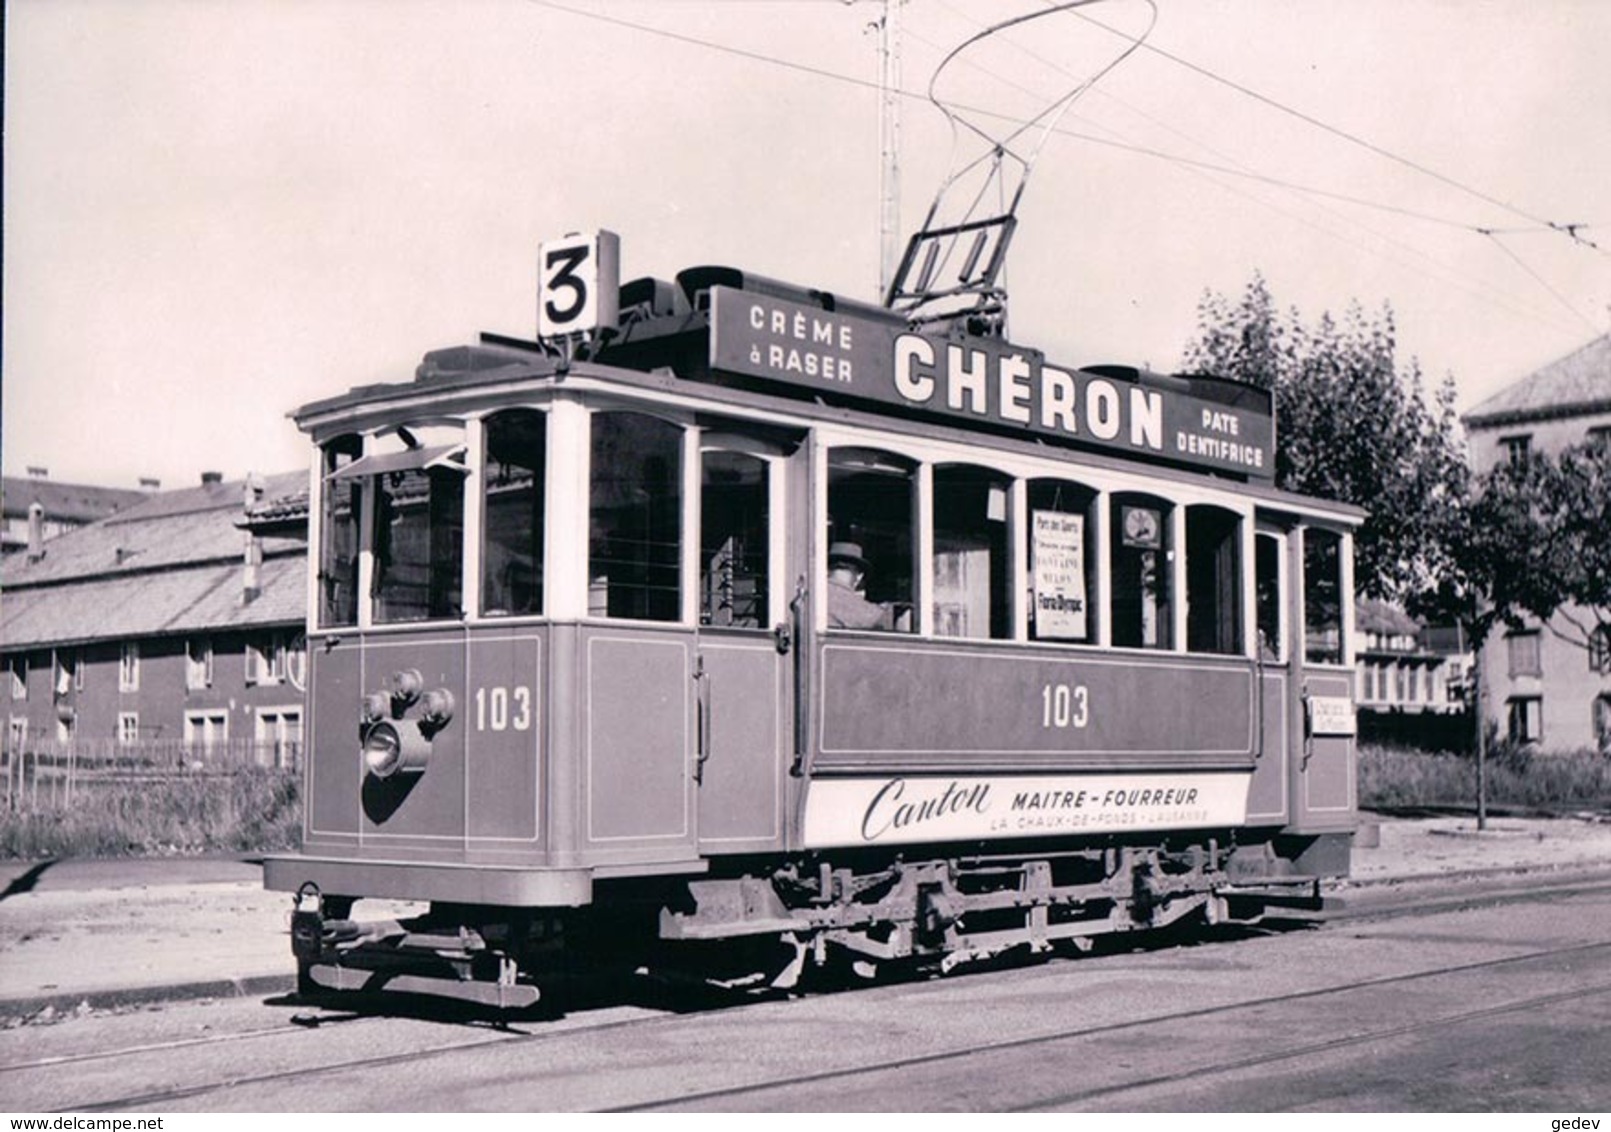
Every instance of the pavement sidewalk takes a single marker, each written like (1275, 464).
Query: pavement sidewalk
(95, 935)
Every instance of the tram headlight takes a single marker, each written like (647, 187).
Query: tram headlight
(407, 684)
(395, 748)
(375, 707)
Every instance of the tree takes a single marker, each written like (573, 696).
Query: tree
(1352, 425)
(1538, 541)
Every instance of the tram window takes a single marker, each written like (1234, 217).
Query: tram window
(971, 569)
(635, 499)
(1213, 580)
(1062, 561)
(512, 485)
(1322, 597)
(419, 543)
(338, 535)
(870, 514)
(733, 540)
(1267, 585)
(1141, 569)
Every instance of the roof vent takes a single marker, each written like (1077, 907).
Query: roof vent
(208, 479)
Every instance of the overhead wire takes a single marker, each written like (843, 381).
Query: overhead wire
(1473, 285)
(1569, 230)
(820, 72)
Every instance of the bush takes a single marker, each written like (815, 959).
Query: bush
(251, 810)
(1517, 776)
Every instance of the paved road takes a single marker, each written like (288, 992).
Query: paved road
(1491, 1008)
(84, 874)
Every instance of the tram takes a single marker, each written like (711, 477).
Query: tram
(580, 675)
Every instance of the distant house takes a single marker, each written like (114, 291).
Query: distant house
(39, 508)
(174, 624)
(1404, 666)
(1540, 688)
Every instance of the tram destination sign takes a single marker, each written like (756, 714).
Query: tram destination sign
(1192, 421)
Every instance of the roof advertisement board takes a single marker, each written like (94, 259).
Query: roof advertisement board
(989, 382)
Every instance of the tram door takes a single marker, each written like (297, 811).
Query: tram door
(1323, 787)
(743, 684)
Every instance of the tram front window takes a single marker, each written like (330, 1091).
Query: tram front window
(733, 540)
(512, 485)
(1213, 580)
(1062, 561)
(635, 513)
(970, 553)
(338, 535)
(1141, 568)
(419, 540)
(869, 585)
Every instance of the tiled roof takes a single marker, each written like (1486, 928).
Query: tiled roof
(153, 603)
(1577, 383)
(65, 502)
(169, 529)
(171, 563)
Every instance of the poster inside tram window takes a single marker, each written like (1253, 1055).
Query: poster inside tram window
(1059, 540)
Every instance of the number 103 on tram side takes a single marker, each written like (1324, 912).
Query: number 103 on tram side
(738, 628)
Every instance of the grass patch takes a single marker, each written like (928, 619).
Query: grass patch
(250, 810)
(1400, 776)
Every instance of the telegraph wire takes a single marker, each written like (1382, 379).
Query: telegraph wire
(1542, 282)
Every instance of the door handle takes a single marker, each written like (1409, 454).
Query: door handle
(702, 707)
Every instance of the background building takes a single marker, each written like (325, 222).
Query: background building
(1540, 688)
(172, 628)
(53, 508)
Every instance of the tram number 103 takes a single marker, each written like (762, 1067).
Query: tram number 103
(503, 709)
(1064, 705)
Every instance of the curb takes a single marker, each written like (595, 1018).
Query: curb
(66, 1003)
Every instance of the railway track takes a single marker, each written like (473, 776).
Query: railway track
(300, 1065)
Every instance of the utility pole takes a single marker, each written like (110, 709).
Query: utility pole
(889, 145)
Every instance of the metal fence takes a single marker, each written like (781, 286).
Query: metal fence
(58, 774)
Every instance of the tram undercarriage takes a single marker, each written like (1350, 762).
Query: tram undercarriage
(775, 927)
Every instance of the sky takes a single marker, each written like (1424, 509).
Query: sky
(218, 210)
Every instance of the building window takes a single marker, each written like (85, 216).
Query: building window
(265, 660)
(1600, 436)
(1518, 449)
(128, 667)
(17, 676)
(128, 727)
(66, 726)
(16, 733)
(198, 663)
(69, 673)
(279, 736)
(1600, 649)
(206, 730)
(1523, 651)
(1525, 719)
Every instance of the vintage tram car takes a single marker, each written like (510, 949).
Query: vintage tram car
(576, 679)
